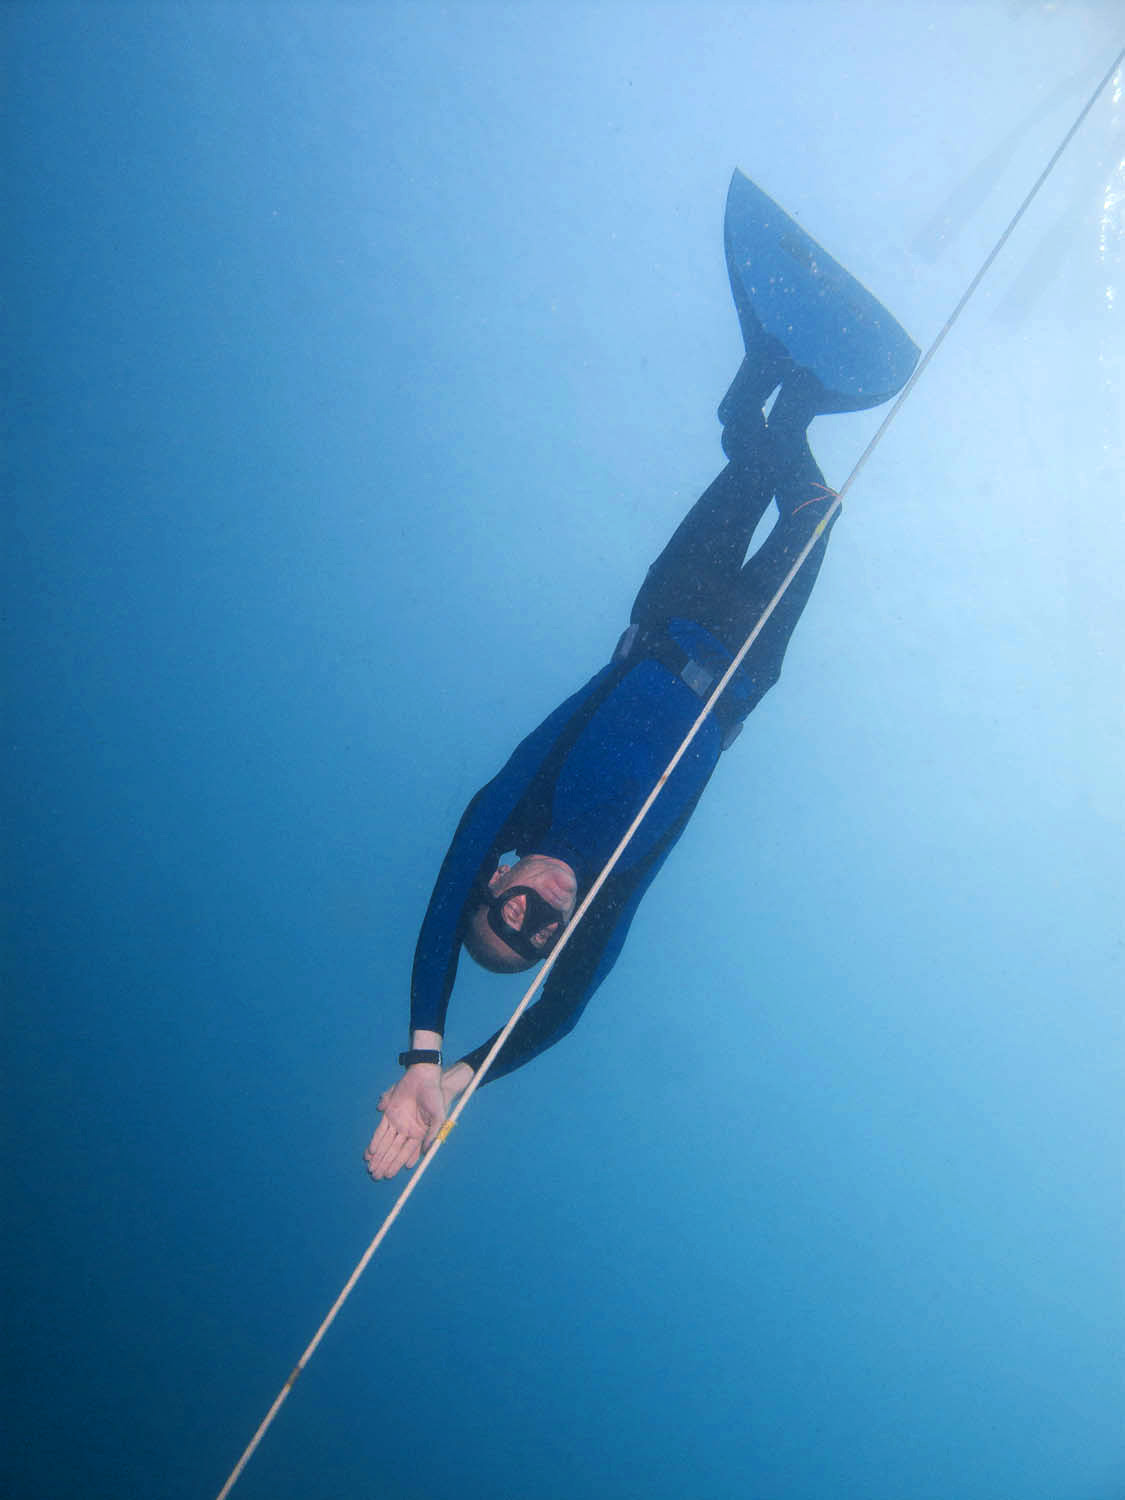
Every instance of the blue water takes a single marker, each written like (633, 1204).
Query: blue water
(361, 359)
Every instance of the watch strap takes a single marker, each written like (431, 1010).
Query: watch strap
(419, 1055)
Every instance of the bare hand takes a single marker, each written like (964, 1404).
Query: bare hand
(413, 1112)
(412, 1116)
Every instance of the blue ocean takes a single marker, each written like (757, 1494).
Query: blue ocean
(360, 359)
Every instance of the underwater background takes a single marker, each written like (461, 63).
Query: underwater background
(361, 357)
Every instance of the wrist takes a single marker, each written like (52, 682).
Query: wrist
(424, 1050)
(458, 1076)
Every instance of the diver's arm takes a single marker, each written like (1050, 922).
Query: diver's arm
(542, 1025)
(439, 940)
(414, 1108)
(487, 828)
(416, 1105)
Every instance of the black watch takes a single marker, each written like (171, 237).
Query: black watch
(419, 1055)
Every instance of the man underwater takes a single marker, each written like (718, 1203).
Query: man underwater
(570, 790)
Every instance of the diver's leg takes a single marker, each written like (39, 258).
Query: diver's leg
(702, 562)
(764, 367)
(802, 500)
(704, 557)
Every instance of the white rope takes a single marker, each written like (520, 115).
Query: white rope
(627, 838)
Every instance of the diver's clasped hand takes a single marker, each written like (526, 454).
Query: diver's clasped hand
(414, 1110)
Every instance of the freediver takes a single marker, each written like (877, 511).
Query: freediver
(569, 791)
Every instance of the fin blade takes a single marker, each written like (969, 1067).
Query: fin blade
(786, 284)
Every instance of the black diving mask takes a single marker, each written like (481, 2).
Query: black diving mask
(538, 913)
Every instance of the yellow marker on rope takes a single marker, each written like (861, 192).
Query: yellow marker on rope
(443, 1134)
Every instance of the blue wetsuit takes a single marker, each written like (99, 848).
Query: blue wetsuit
(575, 784)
